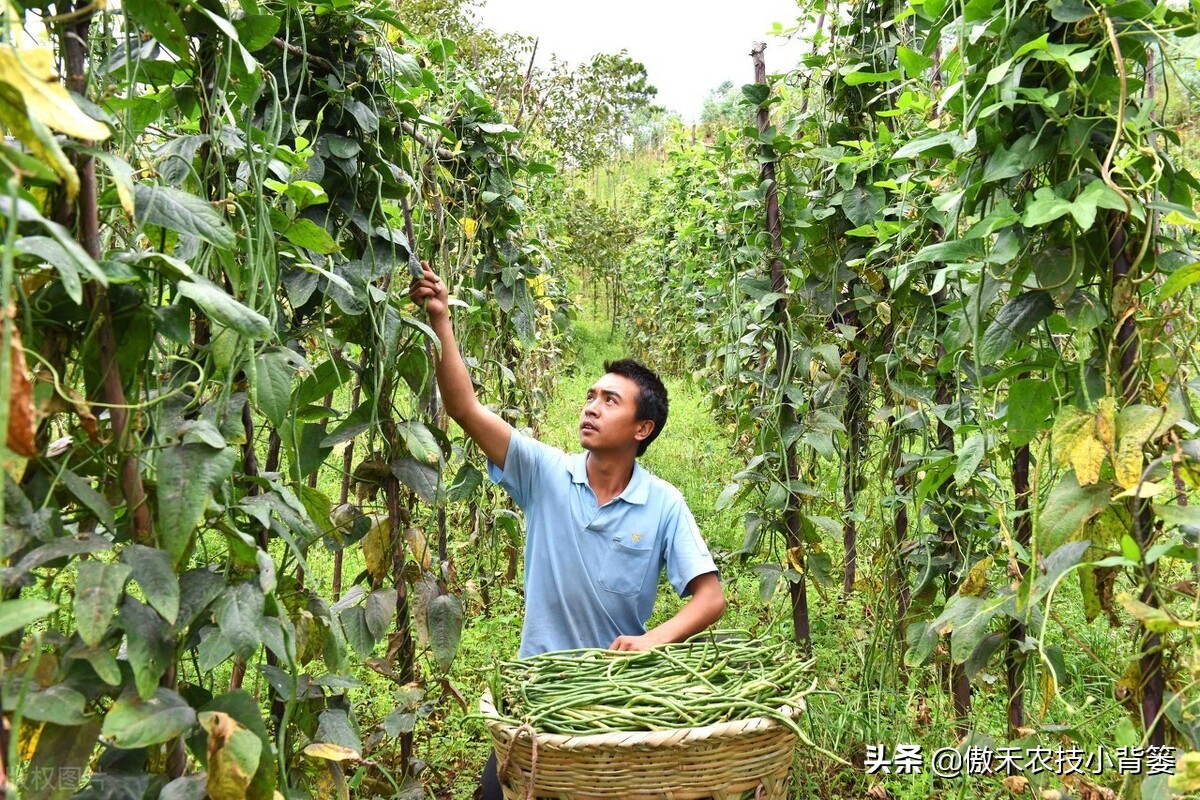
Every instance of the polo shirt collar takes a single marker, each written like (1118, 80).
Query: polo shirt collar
(636, 492)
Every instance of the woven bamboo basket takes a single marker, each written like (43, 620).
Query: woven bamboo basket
(725, 761)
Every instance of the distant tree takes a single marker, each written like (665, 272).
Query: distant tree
(724, 105)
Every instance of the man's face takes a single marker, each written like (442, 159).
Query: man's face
(609, 417)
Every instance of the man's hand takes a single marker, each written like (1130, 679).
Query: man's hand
(634, 643)
(431, 293)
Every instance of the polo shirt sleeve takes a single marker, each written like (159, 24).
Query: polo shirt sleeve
(687, 555)
(525, 466)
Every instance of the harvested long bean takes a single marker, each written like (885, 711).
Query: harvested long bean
(708, 679)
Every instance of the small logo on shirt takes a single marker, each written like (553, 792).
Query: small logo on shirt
(637, 537)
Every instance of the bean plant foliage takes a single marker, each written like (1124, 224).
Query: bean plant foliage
(975, 340)
(211, 220)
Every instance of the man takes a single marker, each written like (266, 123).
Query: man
(599, 528)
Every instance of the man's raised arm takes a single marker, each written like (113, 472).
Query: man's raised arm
(489, 431)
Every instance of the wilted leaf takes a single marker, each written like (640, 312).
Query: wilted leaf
(22, 416)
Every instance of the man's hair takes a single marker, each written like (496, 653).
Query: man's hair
(652, 395)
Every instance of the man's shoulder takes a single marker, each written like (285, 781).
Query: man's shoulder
(661, 491)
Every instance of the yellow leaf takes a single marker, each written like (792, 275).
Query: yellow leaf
(331, 752)
(1127, 462)
(31, 72)
(1070, 427)
(419, 547)
(1155, 620)
(976, 578)
(377, 548)
(1187, 774)
(233, 756)
(1087, 458)
(795, 557)
(468, 226)
(1106, 421)
(37, 139)
(1146, 489)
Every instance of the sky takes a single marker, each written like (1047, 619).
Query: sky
(688, 47)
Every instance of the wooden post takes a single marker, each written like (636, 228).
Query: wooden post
(790, 473)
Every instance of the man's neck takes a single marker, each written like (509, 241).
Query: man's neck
(608, 474)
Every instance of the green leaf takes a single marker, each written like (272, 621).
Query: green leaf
(912, 62)
(357, 421)
(132, 722)
(308, 234)
(160, 19)
(421, 478)
(68, 258)
(1045, 207)
(187, 476)
(181, 212)
(1083, 311)
(239, 615)
(444, 619)
(58, 704)
(958, 251)
(153, 572)
(1095, 195)
(970, 455)
(1068, 508)
(862, 204)
(225, 309)
(1179, 280)
(91, 499)
(1056, 564)
(325, 378)
(466, 483)
(756, 93)
(16, 614)
(97, 589)
(1030, 403)
(256, 30)
(150, 645)
(274, 368)
(1015, 320)
(52, 253)
(420, 441)
(354, 626)
(378, 612)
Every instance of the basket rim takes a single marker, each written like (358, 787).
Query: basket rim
(630, 739)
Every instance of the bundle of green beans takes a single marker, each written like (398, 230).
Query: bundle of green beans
(711, 678)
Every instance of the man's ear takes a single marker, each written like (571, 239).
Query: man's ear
(644, 429)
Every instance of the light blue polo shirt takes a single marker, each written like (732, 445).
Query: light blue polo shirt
(591, 572)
